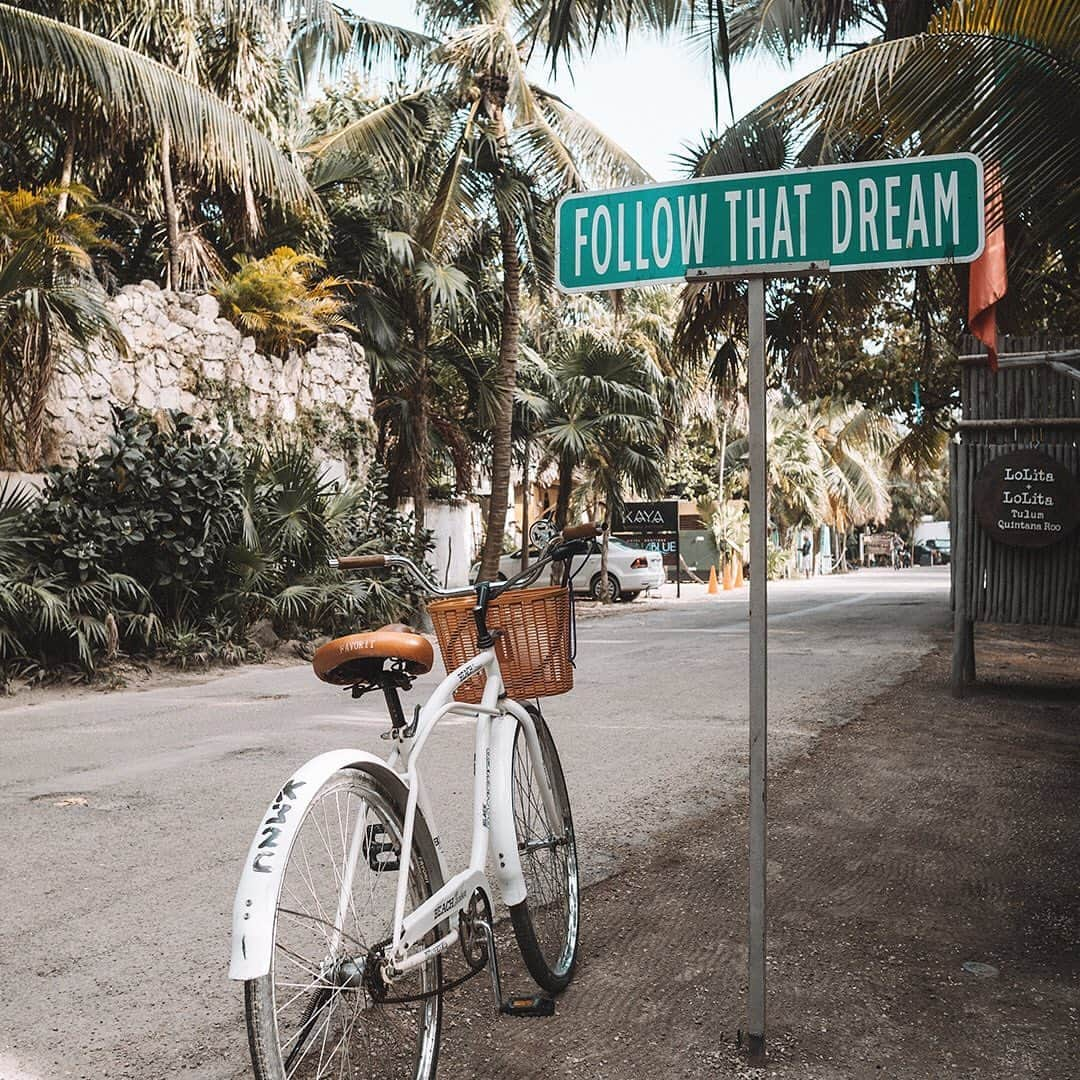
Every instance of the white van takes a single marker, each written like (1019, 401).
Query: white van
(931, 530)
(932, 546)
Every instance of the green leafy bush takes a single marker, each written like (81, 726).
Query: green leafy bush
(161, 504)
(376, 526)
(779, 558)
(193, 643)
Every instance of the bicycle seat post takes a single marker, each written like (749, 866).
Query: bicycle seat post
(393, 705)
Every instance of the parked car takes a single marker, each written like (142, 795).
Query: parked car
(933, 552)
(631, 570)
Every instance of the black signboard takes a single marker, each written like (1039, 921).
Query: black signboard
(648, 517)
(653, 526)
(1027, 499)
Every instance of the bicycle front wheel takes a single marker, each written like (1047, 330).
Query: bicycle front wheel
(546, 922)
(321, 1011)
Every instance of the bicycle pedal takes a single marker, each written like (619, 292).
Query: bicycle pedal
(539, 1005)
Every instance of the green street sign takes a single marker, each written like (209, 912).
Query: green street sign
(910, 212)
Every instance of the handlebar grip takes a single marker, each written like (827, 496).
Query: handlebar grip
(361, 562)
(584, 532)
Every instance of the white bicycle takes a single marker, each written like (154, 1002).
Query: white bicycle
(346, 907)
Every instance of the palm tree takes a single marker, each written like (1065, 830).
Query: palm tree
(513, 148)
(50, 301)
(593, 406)
(855, 444)
(424, 297)
(828, 463)
(977, 75)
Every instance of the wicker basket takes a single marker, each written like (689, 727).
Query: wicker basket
(533, 648)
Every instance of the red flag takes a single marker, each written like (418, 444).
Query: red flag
(989, 280)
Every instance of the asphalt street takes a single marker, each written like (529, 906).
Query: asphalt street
(126, 815)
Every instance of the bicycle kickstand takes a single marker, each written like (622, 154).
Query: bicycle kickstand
(515, 1004)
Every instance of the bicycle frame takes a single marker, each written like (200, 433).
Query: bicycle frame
(493, 834)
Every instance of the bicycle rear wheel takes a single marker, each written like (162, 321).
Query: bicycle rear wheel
(319, 1012)
(546, 922)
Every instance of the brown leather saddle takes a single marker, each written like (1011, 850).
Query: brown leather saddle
(360, 659)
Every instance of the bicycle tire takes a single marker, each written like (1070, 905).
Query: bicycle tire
(363, 1035)
(547, 922)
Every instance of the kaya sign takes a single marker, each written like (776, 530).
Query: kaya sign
(1027, 499)
(652, 525)
(910, 212)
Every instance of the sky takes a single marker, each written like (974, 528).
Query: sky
(652, 98)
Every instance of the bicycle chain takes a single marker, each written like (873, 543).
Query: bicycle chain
(452, 985)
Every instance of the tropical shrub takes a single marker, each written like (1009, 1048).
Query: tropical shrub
(292, 518)
(47, 618)
(779, 560)
(377, 526)
(172, 544)
(278, 300)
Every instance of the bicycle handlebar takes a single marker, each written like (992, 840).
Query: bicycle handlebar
(359, 562)
(378, 562)
(589, 531)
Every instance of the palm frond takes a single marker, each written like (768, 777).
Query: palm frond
(388, 133)
(603, 160)
(985, 87)
(455, 196)
(61, 67)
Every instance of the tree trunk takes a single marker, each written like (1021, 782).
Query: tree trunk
(421, 449)
(421, 429)
(67, 171)
(172, 214)
(509, 338)
(723, 458)
(606, 586)
(566, 489)
(38, 366)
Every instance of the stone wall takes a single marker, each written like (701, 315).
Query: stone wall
(182, 355)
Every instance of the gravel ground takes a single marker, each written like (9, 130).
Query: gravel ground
(924, 879)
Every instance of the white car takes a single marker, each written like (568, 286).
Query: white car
(631, 570)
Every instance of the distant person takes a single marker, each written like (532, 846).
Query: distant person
(806, 555)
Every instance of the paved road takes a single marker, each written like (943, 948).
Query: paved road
(126, 815)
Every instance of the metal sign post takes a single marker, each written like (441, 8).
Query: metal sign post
(759, 663)
(759, 627)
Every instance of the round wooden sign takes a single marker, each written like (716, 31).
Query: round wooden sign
(1027, 498)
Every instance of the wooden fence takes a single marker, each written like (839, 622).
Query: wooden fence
(1031, 402)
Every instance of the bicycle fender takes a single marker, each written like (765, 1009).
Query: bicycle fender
(256, 898)
(503, 839)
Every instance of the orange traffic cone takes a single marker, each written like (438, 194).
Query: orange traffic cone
(738, 574)
(729, 577)
(712, 590)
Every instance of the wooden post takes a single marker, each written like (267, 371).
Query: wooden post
(961, 621)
